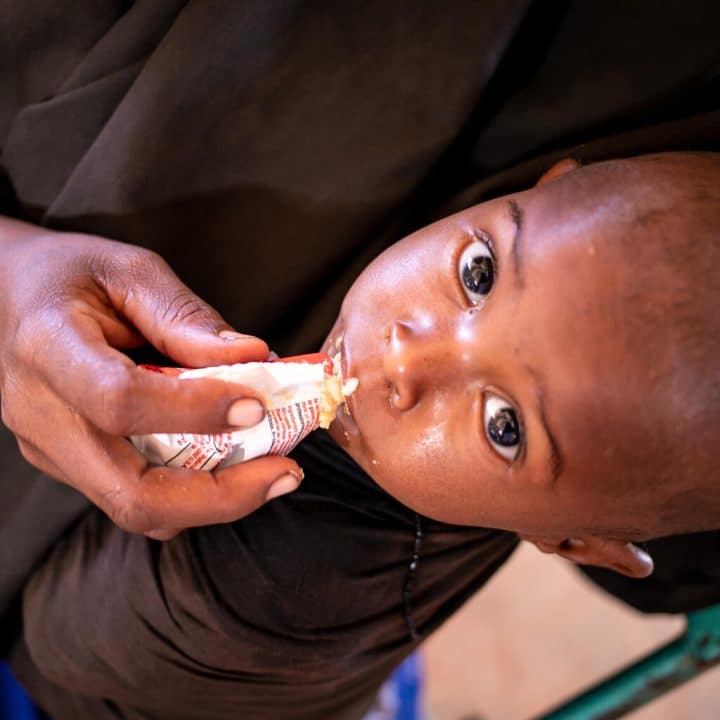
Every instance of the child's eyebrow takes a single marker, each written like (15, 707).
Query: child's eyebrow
(516, 215)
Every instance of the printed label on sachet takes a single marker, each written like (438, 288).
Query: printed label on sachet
(295, 394)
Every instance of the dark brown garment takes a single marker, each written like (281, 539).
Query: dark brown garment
(268, 150)
(261, 147)
(298, 611)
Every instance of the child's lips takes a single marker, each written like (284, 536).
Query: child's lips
(346, 375)
(334, 341)
(343, 359)
(335, 347)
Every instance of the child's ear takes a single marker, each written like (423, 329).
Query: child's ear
(559, 168)
(618, 555)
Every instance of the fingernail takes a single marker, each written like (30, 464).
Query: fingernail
(245, 413)
(646, 559)
(283, 485)
(232, 335)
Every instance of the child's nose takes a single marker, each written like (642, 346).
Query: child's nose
(415, 359)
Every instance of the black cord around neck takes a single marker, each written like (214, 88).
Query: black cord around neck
(410, 579)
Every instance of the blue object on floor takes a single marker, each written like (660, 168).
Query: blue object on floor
(400, 697)
(14, 703)
(408, 682)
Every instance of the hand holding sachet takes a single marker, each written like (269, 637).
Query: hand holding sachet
(300, 393)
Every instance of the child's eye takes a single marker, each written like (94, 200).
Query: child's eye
(476, 268)
(501, 426)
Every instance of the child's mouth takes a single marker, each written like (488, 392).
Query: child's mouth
(334, 341)
(346, 408)
(334, 346)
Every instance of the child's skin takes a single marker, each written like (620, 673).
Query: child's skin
(603, 424)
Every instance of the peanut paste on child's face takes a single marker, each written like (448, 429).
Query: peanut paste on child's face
(498, 384)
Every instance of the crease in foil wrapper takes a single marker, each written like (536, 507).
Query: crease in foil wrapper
(300, 396)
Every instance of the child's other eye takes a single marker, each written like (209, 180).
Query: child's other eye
(501, 426)
(476, 268)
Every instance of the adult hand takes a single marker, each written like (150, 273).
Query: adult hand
(70, 304)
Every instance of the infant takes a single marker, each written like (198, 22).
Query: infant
(543, 364)
(547, 362)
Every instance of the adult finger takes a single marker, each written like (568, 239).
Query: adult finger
(32, 454)
(146, 498)
(173, 318)
(162, 535)
(108, 389)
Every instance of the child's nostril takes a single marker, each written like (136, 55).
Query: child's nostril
(402, 396)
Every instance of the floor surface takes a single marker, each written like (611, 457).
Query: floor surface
(537, 634)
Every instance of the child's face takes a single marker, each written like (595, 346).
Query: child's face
(498, 384)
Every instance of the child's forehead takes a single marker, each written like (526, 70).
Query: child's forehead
(580, 204)
(633, 191)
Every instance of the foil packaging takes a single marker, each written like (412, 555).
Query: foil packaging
(300, 393)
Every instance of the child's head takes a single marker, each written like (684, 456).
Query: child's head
(547, 362)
